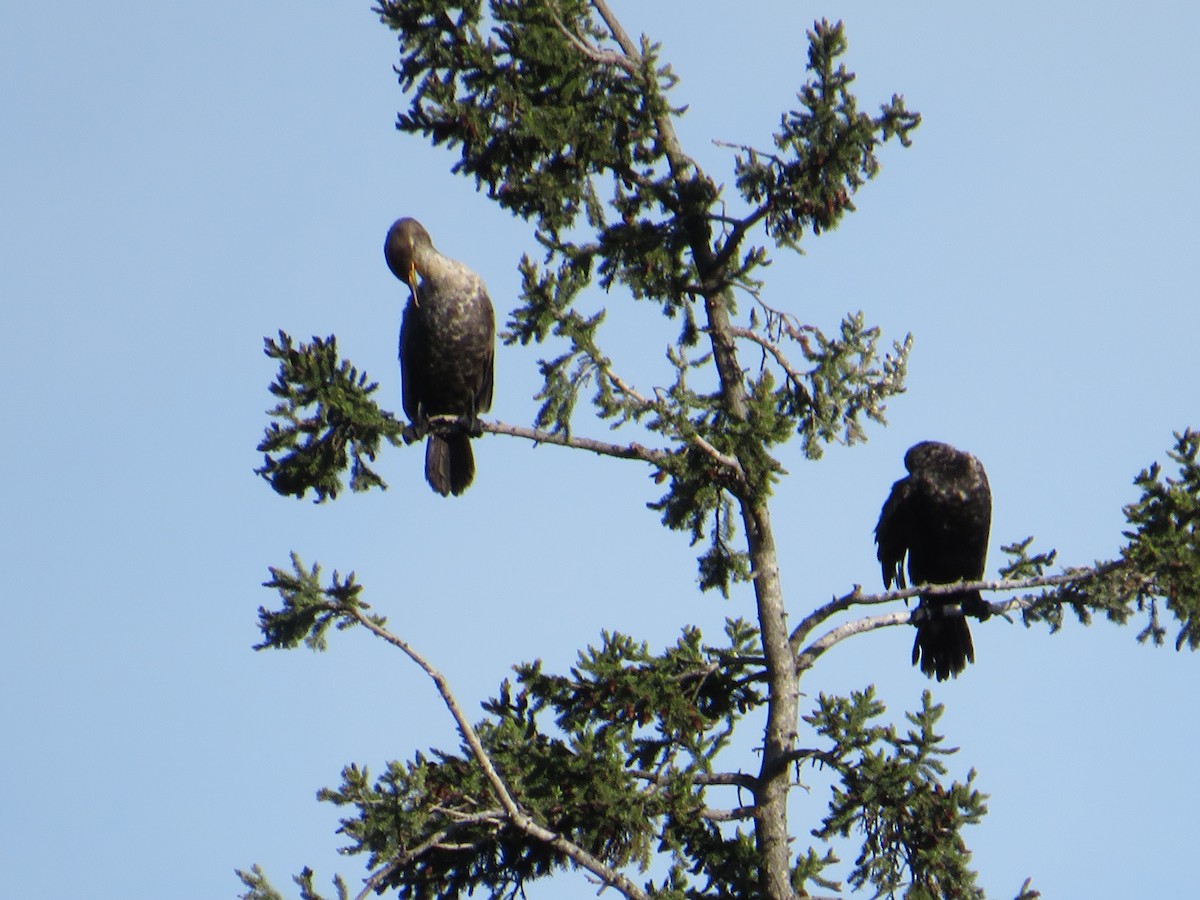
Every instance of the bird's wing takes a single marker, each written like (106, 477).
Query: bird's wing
(483, 397)
(893, 532)
(413, 348)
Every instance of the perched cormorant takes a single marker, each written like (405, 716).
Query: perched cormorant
(447, 350)
(939, 516)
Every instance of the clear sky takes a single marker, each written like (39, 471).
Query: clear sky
(179, 180)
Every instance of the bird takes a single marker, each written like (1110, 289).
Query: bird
(447, 353)
(939, 516)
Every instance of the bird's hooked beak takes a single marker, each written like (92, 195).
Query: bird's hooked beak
(412, 282)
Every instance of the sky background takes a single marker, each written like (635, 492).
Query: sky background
(179, 180)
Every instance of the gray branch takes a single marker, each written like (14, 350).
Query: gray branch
(808, 656)
(513, 813)
(652, 455)
(857, 598)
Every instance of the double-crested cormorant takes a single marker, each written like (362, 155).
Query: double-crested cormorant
(447, 352)
(939, 516)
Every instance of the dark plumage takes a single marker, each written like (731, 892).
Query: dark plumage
(940, 516)
(447, 351)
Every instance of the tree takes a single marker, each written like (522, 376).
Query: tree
(563, 119)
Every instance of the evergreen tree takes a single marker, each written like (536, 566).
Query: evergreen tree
(562, 118)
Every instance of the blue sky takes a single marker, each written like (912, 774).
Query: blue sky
(179, 180)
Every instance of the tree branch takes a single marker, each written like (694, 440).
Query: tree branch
(857, 598)
(652, 455)
(437, 840)
(618, 32)
(736, 814)
(512, 809)
(772, 348)
(595, 54)
(806, 658)
(707, 779)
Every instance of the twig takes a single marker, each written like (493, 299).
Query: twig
(626, 389)
(746, 148)
(771, 347)
(723, 459)
(801, 754)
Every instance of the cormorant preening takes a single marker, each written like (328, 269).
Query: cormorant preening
(447, 351)
(939, 516)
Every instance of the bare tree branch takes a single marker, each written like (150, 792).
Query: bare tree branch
(739, 813)
(857, 598)
(707, 779)
(652, 455)
(746, 148)
(808, 656)
(772, 348)
(435, 841)
(617, 31)
(595, 54)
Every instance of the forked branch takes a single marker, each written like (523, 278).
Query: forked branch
(857, 598)
(808, 656)
(512, 809)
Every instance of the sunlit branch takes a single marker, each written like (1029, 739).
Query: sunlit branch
(706, 779)
(595, 54)
(617, 31)
(651, 455)
(436, 841)
(857, 598)
(512, 810)
(809, 655)
(772, 348)
(739, 813)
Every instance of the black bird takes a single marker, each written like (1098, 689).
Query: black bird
(447, 353)
(940, 516)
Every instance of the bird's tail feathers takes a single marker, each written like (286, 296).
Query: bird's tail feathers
(449, 463)
(943, 646)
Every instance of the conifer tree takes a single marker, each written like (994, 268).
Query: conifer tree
(561, 117)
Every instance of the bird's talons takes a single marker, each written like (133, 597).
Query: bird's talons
(979, 609)
(927, 612)
(448, 425)
(413, 432)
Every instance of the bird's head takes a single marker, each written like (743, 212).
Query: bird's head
(406, 240)
(928, 454)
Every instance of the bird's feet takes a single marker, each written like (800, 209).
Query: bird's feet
(414, 432)
(447, 424)
(977, 607)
